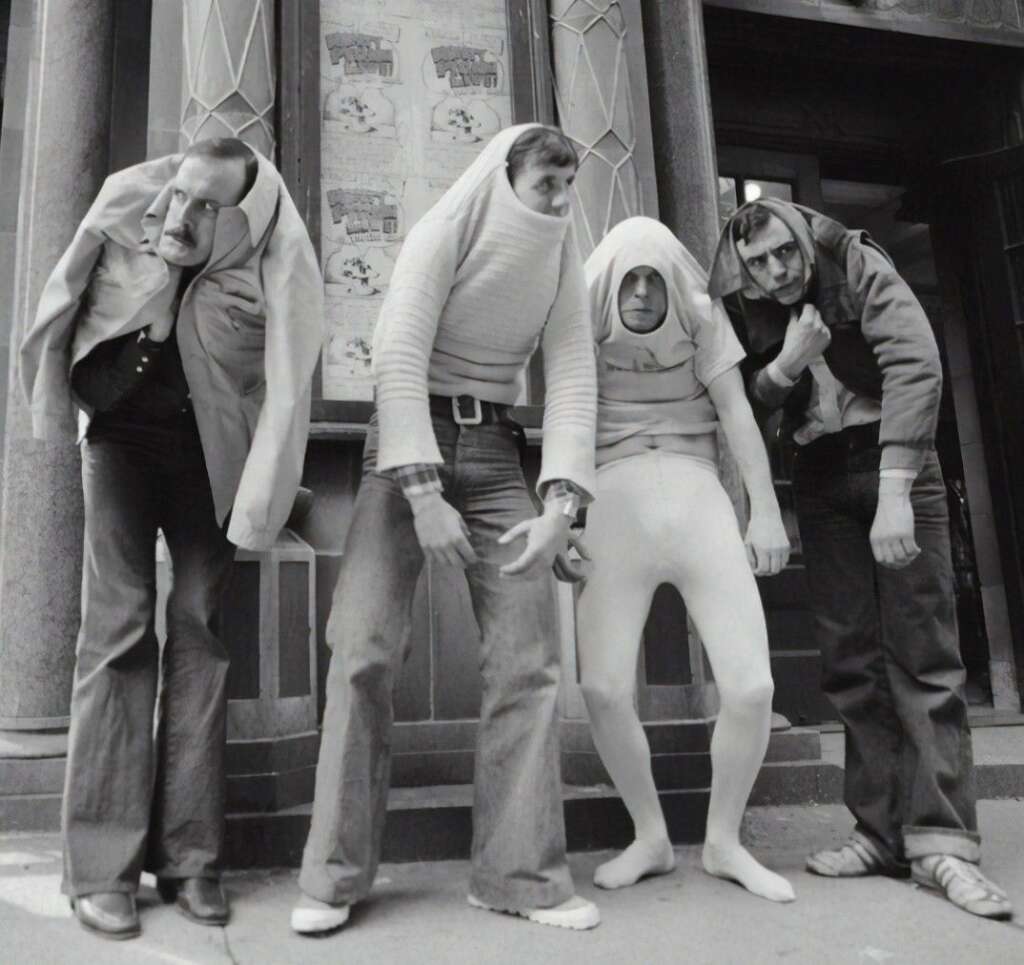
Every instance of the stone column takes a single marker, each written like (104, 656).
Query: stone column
(677, 77)
(229, 72)
(66, 135)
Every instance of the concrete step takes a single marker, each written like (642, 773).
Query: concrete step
(29, 812)
(435, 824)
(22, 775)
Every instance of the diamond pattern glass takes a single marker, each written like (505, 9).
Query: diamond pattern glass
(595, 109)
(229, 72)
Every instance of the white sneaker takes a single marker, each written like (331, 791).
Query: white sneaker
(576, 913)
(313, 917)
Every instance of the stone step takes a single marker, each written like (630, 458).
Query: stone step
(29, 812)
(435, 824)
(22, 775)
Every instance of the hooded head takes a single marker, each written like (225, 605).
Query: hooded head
(214, 174)
(642, 277)
(539, 159)
(766, 250)
(221, 198)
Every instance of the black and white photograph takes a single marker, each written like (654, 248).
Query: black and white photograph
(508, 482)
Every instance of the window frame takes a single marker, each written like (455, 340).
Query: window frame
(298, 138)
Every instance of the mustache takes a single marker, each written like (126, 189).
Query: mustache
(182, 235)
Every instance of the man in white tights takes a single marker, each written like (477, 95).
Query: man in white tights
(667, 377)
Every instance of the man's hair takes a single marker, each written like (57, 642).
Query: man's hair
(226, 149)
(541, 145)
(750, 220)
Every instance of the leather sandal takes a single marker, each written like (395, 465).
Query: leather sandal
(963, 884)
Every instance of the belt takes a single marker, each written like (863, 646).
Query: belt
(850, 440)
(467, 410)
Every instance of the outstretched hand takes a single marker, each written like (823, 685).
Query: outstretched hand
(546, 536)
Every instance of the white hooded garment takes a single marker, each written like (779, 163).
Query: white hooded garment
(655, 383)
(481, 281)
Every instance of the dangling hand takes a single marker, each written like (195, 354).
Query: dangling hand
(767, 544)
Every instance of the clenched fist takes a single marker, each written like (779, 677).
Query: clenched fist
(807, 336)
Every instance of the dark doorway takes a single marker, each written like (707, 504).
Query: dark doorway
(849, 121)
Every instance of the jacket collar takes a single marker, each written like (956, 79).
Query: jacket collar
(252, 215)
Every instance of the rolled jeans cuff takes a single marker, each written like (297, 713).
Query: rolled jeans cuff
(922, 842)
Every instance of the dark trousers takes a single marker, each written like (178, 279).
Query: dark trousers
(518, 852)
(890, 655)
(134, 795)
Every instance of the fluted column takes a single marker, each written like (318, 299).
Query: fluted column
(229, 72)
(64, 162)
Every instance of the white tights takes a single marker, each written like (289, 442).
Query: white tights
(664, 517)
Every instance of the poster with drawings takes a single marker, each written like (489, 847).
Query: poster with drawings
(410, 91)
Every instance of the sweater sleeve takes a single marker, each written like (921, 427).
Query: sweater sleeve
(404, 339)
(570, 376)
(897, 329)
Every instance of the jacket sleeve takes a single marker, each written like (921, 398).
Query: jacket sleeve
(897, 329)
(570, 379)
(45, 354)
(404, 339)
(293, 291)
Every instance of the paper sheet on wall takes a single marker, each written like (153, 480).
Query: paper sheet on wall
(410, 91)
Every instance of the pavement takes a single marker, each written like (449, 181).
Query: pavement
(417, 913)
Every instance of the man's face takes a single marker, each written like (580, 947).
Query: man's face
(643, 299)
(545, 187)
(774, 261)
(201, 188)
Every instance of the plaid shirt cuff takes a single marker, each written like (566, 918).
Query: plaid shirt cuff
(418, 479)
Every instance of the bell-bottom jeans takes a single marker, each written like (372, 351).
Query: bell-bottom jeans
(518, 852)
(134, 795)
(890, 656)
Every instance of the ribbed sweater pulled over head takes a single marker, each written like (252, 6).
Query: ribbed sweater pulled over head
(481, 281)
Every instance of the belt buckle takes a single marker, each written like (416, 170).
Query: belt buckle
(475, 414)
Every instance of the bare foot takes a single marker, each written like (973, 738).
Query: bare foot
(640, 859)
(735, 863)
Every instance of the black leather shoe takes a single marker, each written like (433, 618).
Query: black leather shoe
(111, 914)
(203, 901)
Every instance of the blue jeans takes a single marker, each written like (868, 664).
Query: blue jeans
(890, 656)
(518, 855)
(129, 798)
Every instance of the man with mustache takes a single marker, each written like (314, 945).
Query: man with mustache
(183, 323)
(837, 340)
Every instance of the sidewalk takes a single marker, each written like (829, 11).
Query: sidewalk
(418, 913)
